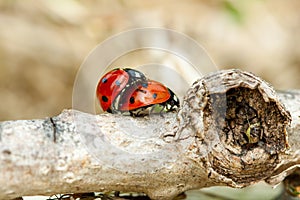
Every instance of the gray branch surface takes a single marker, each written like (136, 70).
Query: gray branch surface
(232, 130)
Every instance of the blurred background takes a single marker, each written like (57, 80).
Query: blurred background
(43, 43)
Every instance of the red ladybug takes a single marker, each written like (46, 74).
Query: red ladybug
(113, 82)
(143, 99)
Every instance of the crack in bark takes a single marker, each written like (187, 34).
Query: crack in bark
(54, 129)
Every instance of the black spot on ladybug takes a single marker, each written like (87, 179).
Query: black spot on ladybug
(118, 83)
(104, 80)
(104, 98)
(154, 96)
(131, 100)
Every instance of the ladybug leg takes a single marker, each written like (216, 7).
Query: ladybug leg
(161, 111)
(151, 110)
(132, 114)
(141, 112)
(137, 112)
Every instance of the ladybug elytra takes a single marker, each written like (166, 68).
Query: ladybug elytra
(128, 90)
(149, 95)
(113, 82)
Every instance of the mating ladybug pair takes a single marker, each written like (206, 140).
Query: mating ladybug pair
(128, 90)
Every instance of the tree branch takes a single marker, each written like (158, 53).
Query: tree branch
(231, 130)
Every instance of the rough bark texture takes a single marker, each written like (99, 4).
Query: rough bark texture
(231, 130)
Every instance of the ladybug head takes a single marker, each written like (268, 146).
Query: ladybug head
(173, 102)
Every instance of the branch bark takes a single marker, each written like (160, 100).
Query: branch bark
(232, 129)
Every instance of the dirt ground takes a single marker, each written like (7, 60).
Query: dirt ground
(43, 43)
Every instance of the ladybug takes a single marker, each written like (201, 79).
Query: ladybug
(113, 82)
(146, 98)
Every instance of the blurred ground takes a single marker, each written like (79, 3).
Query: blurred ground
(43, 43)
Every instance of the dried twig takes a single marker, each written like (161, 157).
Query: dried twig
(231, 130)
